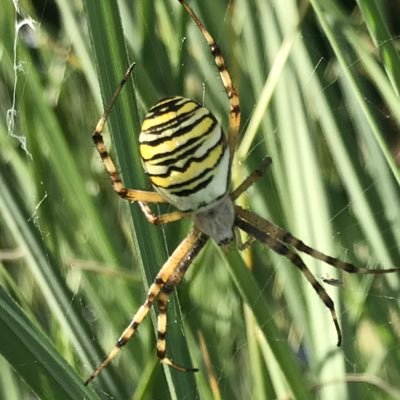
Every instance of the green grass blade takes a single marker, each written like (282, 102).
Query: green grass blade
(249, 291)
(378, 27)
(319, 93)
(34, 358)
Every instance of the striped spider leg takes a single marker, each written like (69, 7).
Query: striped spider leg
(169, 275)
(234, 113)
(282, 242)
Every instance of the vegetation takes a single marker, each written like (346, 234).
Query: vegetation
(319, 87)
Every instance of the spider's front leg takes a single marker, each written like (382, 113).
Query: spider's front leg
(118, 186)
(231, 92)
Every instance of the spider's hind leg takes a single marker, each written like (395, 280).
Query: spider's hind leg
(239, 242)
(253, 226)
(163, 300)
(169, 275)
(286, 237)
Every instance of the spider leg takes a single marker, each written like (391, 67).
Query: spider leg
(181, 258)
(287, 237)
(234, 113)
(280, 248)
(162, 218)
(122, 191)
(239, 242)
(163, 299)
(254, 176)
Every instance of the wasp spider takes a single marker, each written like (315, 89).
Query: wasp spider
(188, 159)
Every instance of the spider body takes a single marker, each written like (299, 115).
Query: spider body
(188, 160)
(185, 154)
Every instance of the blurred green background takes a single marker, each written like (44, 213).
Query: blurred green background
(319, 87)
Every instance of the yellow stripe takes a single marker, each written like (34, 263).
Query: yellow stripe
(166, 117)
(187, 107)
(158, 120)
(195, 169)
(147, 152)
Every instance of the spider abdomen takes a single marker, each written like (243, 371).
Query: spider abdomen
(185, 154)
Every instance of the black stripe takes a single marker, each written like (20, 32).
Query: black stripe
(187, 145)
(97, 138)
(189, 181)
(165, 109)
(171, 123)
(170, 102)
(235, 109)
(161, 353)
(103, 155)
(188, 192)
(159, 281)
(193, 159)
(180, 131)
(215, 50)
(172, 158)
(161, 335)
(199, 186)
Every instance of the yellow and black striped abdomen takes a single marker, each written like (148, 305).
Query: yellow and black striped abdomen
(185, 154)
